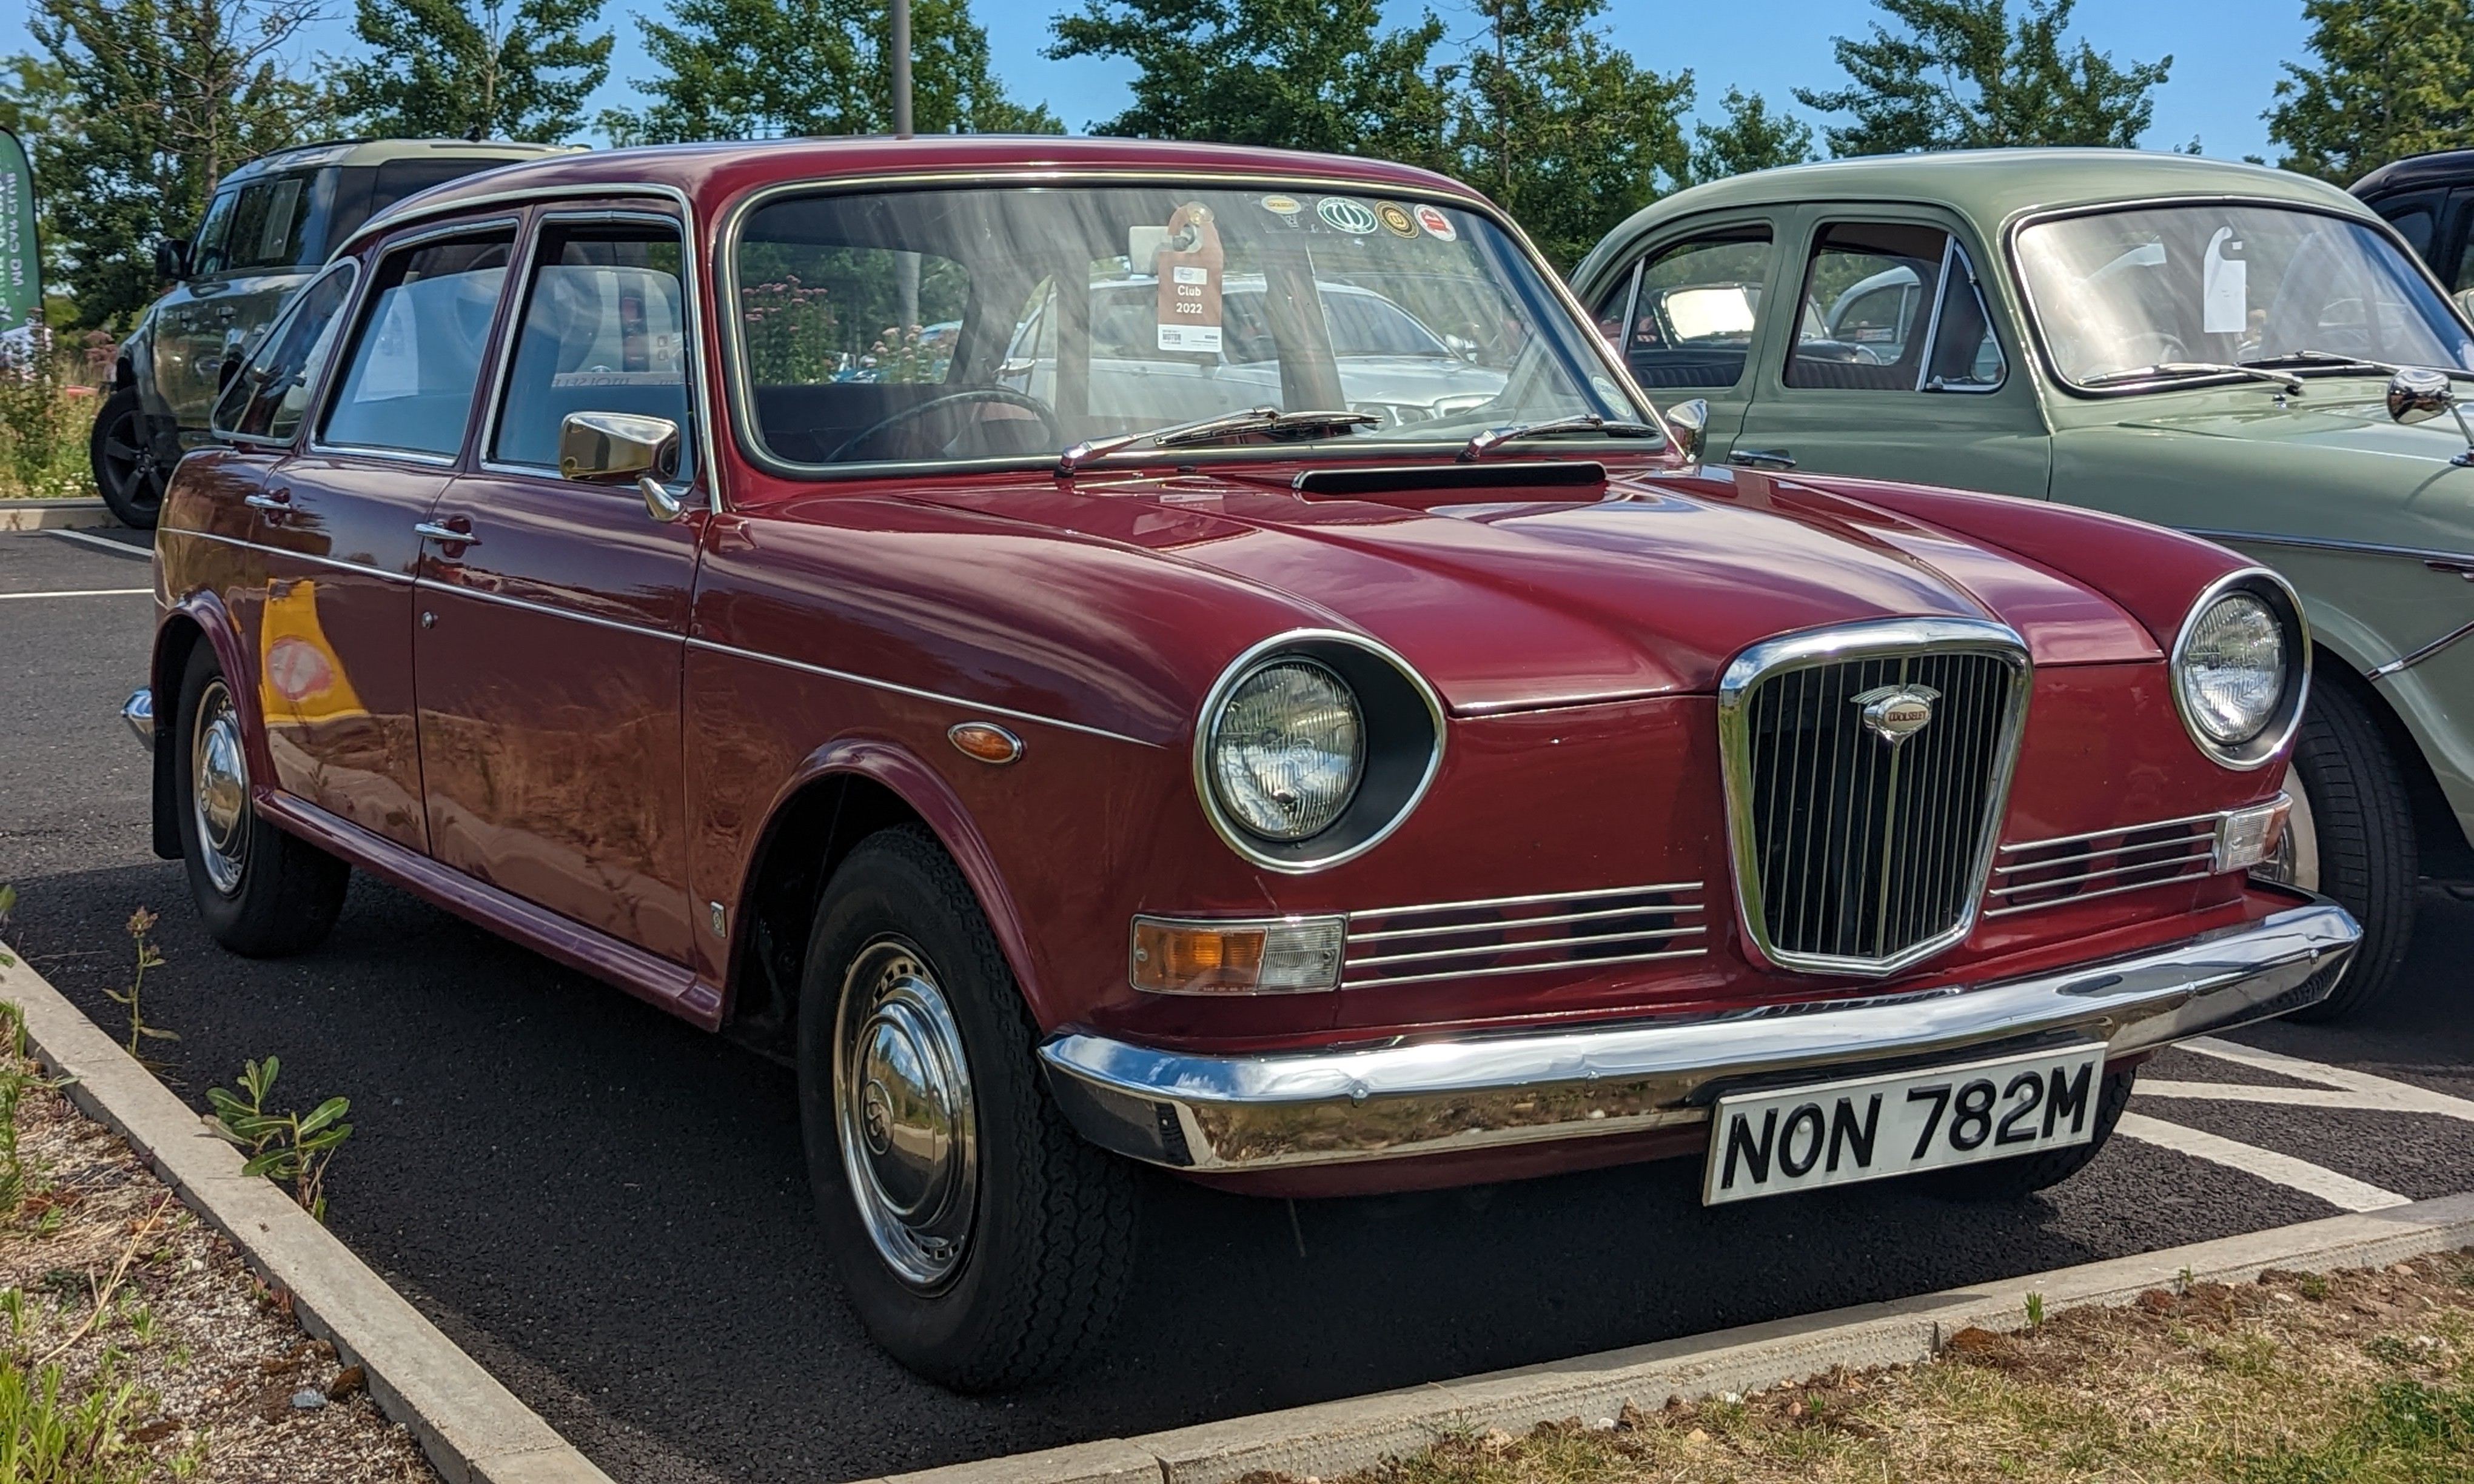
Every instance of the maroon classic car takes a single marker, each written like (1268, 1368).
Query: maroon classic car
(1106, 652)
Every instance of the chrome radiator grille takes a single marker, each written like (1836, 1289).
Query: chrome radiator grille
(2077, 868)
(1862, 847)
(1469, 939)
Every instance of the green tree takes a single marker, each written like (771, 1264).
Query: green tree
(1960, 74)
(155, 100)
(1753, 138)
(739, 69)
(1291, 74)
(2394, 77)
(475, 69)
(1561, 127)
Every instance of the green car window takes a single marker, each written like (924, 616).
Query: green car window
(1685, 315)
(1891, 306)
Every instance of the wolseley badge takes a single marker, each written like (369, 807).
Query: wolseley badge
(1897, 713)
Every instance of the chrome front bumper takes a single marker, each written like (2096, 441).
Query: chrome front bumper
(1395, 1099)
(138, 711)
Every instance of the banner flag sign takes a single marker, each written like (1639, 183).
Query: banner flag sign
(22, 269)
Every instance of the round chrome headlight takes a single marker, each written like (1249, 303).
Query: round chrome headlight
(2232, 669)
(1287, 749)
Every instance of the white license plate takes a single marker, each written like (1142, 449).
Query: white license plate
(1869, 1128)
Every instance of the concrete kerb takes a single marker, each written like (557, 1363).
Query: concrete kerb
(1336, 1437)
(54, 515)
(474, 1429)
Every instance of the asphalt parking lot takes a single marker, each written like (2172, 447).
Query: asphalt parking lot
(608, 1209)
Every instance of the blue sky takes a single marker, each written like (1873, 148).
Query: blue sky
(2225, 52)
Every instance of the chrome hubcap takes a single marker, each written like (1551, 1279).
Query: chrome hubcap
(219, 788)
(902, 1112)
(2296, 861)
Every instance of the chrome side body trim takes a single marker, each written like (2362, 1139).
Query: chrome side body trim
(1875, 638)
(1400, 1099)
(2324, 543)
(483, 595)
(2256, 753)
(359, 568)
(1232, 835)
(712, 648)
(2409, 662)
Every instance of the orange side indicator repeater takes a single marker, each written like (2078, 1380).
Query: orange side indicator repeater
(1294, 955)
(986, 741)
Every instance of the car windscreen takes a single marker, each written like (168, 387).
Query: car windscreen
(2115, 292)
(1007, 323)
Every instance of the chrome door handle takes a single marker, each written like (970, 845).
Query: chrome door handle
(269, 501)
(1760, 457)
(2462, 567)
(433, 531)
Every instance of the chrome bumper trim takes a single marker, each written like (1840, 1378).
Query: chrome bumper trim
(138, 711)
(1397, 1099)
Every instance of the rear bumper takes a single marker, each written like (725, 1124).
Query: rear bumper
(1397, 1100)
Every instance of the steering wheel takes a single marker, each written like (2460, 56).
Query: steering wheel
(2153, 348)
(1005, 396)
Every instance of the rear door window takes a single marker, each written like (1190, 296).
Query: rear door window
(264, 230)
(1892, 306)
(416, 355)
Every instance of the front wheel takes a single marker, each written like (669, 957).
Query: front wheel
(2351, 839)
(122, 455)
(983, 1244)
(2021, 1176)
(261, 893)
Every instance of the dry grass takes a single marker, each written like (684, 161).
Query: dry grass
(2295, 1379)
(103, 1273)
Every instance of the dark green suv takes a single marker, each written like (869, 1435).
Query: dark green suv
(268, 226)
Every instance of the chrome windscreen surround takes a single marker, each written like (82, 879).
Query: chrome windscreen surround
(2270, 743)
(1404, 747)
(1938, 915)
(1514, 935)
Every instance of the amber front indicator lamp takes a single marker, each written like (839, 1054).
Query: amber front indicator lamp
(1258, 956)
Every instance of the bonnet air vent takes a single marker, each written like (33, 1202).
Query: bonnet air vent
(1515, 474)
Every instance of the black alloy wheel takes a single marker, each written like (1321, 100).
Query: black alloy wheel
(123, 458)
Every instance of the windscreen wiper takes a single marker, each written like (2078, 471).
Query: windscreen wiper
(2337, 360)
(1492, 438)
(2163, 369)
(1269, 422)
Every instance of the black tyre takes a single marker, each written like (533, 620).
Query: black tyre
(2351, 840)
(261, 892)
(983, 1244)
(2016, 1178)
(123, 458)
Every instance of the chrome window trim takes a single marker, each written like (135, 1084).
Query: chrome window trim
(350, 268)
(2298, 670)
(1975, 286)
(363, 306)
(2035, 317)
(1866, 639)
(693, 349)
(1230, 832)
(733, 222)
(710, 647)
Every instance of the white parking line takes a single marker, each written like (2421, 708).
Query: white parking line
(2339, 1086)
(117, 548)
(2338, 1191)
(85, 593)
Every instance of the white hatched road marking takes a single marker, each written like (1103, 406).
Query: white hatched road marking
(2339, 1086)
(85, 593)
(2338, 1191)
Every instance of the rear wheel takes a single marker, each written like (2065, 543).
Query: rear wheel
(261, 892)
(2351, 839)
(2023, 1175)
(983, 1244)
(123, 458)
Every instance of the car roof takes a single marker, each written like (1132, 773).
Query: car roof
(1992, 186)
(2440, 167)
(382, 152)
(708, 173)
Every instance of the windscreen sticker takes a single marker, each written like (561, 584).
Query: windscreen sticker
(1188, 265)
(1437, 224)
(1282, 205)
(1344, 215)
(1396, 219)
(2225, 288)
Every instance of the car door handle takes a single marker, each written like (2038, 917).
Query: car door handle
(281, 499)
(1760, 457)
(434, 531)
(2462, 566)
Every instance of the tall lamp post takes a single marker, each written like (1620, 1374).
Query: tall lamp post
(898, 51)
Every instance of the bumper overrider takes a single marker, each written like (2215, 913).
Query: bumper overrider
(1399, 1099)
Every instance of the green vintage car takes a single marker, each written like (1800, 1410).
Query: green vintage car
(2234, 351)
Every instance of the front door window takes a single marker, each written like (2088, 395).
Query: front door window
(1685, 315)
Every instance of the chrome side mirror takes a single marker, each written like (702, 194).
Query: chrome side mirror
(2419, 394)
(1690, 423)
(611, 447)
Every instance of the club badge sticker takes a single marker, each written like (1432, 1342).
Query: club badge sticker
(1437, 224)
(1396, 219)
(1282, 205)
(1344, 215)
